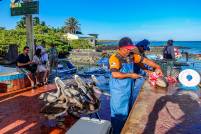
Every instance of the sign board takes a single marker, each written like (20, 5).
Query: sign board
(24, 8)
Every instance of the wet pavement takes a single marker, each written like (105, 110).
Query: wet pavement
(165, 111)
(20, 113)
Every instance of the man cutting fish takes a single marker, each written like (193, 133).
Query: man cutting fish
(122, 81)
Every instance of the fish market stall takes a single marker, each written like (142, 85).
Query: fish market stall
(165, 110)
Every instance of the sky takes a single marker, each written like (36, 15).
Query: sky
(155, 20)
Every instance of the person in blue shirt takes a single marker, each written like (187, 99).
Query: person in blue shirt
(143, 46)
(140, 68)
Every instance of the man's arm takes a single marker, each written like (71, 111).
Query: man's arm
(141, 65)
(23, 64)
(19, 61)
(120, 75)
(152, 64)
(142, 60)
(115, 66)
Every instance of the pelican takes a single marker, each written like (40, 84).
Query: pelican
(51, 96)
(96, 89)
(83, 86)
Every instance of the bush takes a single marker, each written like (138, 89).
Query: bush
(80, 44)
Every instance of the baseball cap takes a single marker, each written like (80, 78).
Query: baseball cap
(126, 43)
(144, 43)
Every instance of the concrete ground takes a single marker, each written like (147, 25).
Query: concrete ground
(20, 113)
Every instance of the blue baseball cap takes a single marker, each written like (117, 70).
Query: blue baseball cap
(144, 43)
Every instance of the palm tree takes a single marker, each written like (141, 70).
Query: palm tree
(72, 25)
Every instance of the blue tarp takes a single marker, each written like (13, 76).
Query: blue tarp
(103, 61)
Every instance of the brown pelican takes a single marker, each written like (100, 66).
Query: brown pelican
(96, 89)
(70, 99)
(51, 96)
(83, 86)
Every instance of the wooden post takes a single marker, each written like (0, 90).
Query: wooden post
(30, 34)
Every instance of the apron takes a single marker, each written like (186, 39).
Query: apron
(120, 104)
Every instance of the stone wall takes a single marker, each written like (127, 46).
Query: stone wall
(84, 56)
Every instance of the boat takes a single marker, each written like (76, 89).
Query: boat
(63, 70)
(97, 71)
(11, 79)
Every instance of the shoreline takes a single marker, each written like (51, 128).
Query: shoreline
(115, 46)
(153, 49)
(90, 57)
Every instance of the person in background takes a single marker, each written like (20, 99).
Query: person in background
(44, 59)
(26, 66)
(40, 67)
(143, 46)
(121, 82)
(168, 51)
(53, 57)
(44, 54)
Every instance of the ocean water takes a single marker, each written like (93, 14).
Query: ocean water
(193, 47)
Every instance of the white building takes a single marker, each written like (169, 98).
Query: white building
(91, 39)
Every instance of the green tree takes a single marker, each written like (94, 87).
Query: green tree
(50, 36)
(36, 21)
(2, 28)
(43, 23)
(42, 32)
(39, 29)
(13, 36)
(72, 25)
(21, 23)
